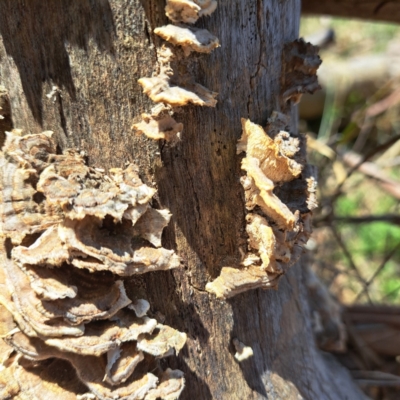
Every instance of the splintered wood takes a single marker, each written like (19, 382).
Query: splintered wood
(170, 87)
(277, 231)
(69, 235)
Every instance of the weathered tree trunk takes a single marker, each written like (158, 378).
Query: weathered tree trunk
(94, 52)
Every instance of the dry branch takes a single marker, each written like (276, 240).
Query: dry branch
(391, 218)
(373, 171)
(376, 10)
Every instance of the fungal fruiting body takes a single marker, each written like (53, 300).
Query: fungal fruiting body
(276, 229)
(190, 39)
(189, 11)
(299, 70)
(278, 224)
(158, 126)
(69, 236)
(243, 352)
(171, 87)
(175, 90)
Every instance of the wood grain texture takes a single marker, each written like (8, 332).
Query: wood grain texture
(375, 10)
(95, 51)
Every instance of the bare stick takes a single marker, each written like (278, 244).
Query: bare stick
(377, 10)
(378, 271)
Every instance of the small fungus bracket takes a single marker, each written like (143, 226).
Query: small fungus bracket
(243, 352)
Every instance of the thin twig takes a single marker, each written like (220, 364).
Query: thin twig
(371, 170)
(350, 259)
(392, 218)
(369, 357)
(381, 106)
(362, 137)
(378, 271)
(362, 160)
(376, 378)
(397, 289)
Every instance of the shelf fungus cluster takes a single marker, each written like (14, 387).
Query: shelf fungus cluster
(277, 225)
(173, 85)
(70, 234)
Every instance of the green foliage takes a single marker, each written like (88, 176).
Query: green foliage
(371, 241)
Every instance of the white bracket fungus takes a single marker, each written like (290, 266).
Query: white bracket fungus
(69, 235)
(190, 39)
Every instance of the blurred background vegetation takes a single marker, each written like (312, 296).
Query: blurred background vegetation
(353, 137)
(356, 117)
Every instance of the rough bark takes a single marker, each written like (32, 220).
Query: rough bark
(94, 52)
(376, 10)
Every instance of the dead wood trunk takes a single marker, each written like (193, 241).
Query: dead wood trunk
(376, 10)
(94, 52)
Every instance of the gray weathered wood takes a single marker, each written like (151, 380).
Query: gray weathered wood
(95, 51)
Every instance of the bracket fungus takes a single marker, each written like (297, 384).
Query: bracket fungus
(69, 236)
(173, 89)
(189, 11)
(277, 230)
(299, 70)
(190, 39)
(170, 87)
(158, 125)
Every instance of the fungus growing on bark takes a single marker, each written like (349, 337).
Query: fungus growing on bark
(23, 379)
(69, 235)
(189, 11)
(299, 70)
(170, 386)
(171, 87)
(275, 156)
(277, 230)
(190, 39)
(155, 127)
